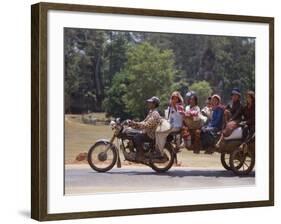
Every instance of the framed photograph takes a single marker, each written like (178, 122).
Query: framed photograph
(140, 111)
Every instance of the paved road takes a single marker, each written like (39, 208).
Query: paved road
(81, 179)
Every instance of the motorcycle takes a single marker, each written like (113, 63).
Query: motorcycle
(236, 155)
(104, 154)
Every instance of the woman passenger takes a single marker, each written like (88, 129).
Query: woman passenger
(175, 117)
(194, 123)
(232, 115)
(209, 131)
(249, 116)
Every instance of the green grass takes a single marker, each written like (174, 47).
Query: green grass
(80, 137)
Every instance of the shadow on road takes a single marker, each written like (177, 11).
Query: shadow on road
(183, 173)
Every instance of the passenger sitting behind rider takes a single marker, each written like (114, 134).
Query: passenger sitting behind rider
(175, 117)
(232, 115)
(249, 111)
(194, 123)
(207, 111)
(209, 131)
(148, 125)
(249, 118)
(185, 132)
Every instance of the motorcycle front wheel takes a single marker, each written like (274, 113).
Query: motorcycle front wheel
(165, 164)
(101, 160)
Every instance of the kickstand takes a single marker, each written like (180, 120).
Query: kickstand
(176, 159)
(118, 163)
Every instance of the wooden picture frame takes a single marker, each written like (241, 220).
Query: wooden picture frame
(39, 109)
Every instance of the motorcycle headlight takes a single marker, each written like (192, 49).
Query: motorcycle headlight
(112, 124)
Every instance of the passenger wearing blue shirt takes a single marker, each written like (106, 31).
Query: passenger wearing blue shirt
(209, 131)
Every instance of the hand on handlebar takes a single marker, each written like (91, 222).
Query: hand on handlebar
(130, 122)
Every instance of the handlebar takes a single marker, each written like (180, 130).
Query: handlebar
(122, 123)
(125, 122)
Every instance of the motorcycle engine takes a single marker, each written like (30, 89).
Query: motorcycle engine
(129, 147)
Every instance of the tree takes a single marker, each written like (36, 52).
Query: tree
(115, 54)
(149, 72)
(71, 64)
(94, 57)
(203, 91)
(233, 65)
(114, 104)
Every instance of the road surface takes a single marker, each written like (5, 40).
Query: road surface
(81, 179)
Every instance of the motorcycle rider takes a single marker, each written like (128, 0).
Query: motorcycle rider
(148, 126)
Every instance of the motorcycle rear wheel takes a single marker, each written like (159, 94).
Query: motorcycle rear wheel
(161, 167)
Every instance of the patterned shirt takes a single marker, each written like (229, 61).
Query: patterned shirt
(149, 124)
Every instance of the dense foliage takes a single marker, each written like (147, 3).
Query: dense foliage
(115, 71)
